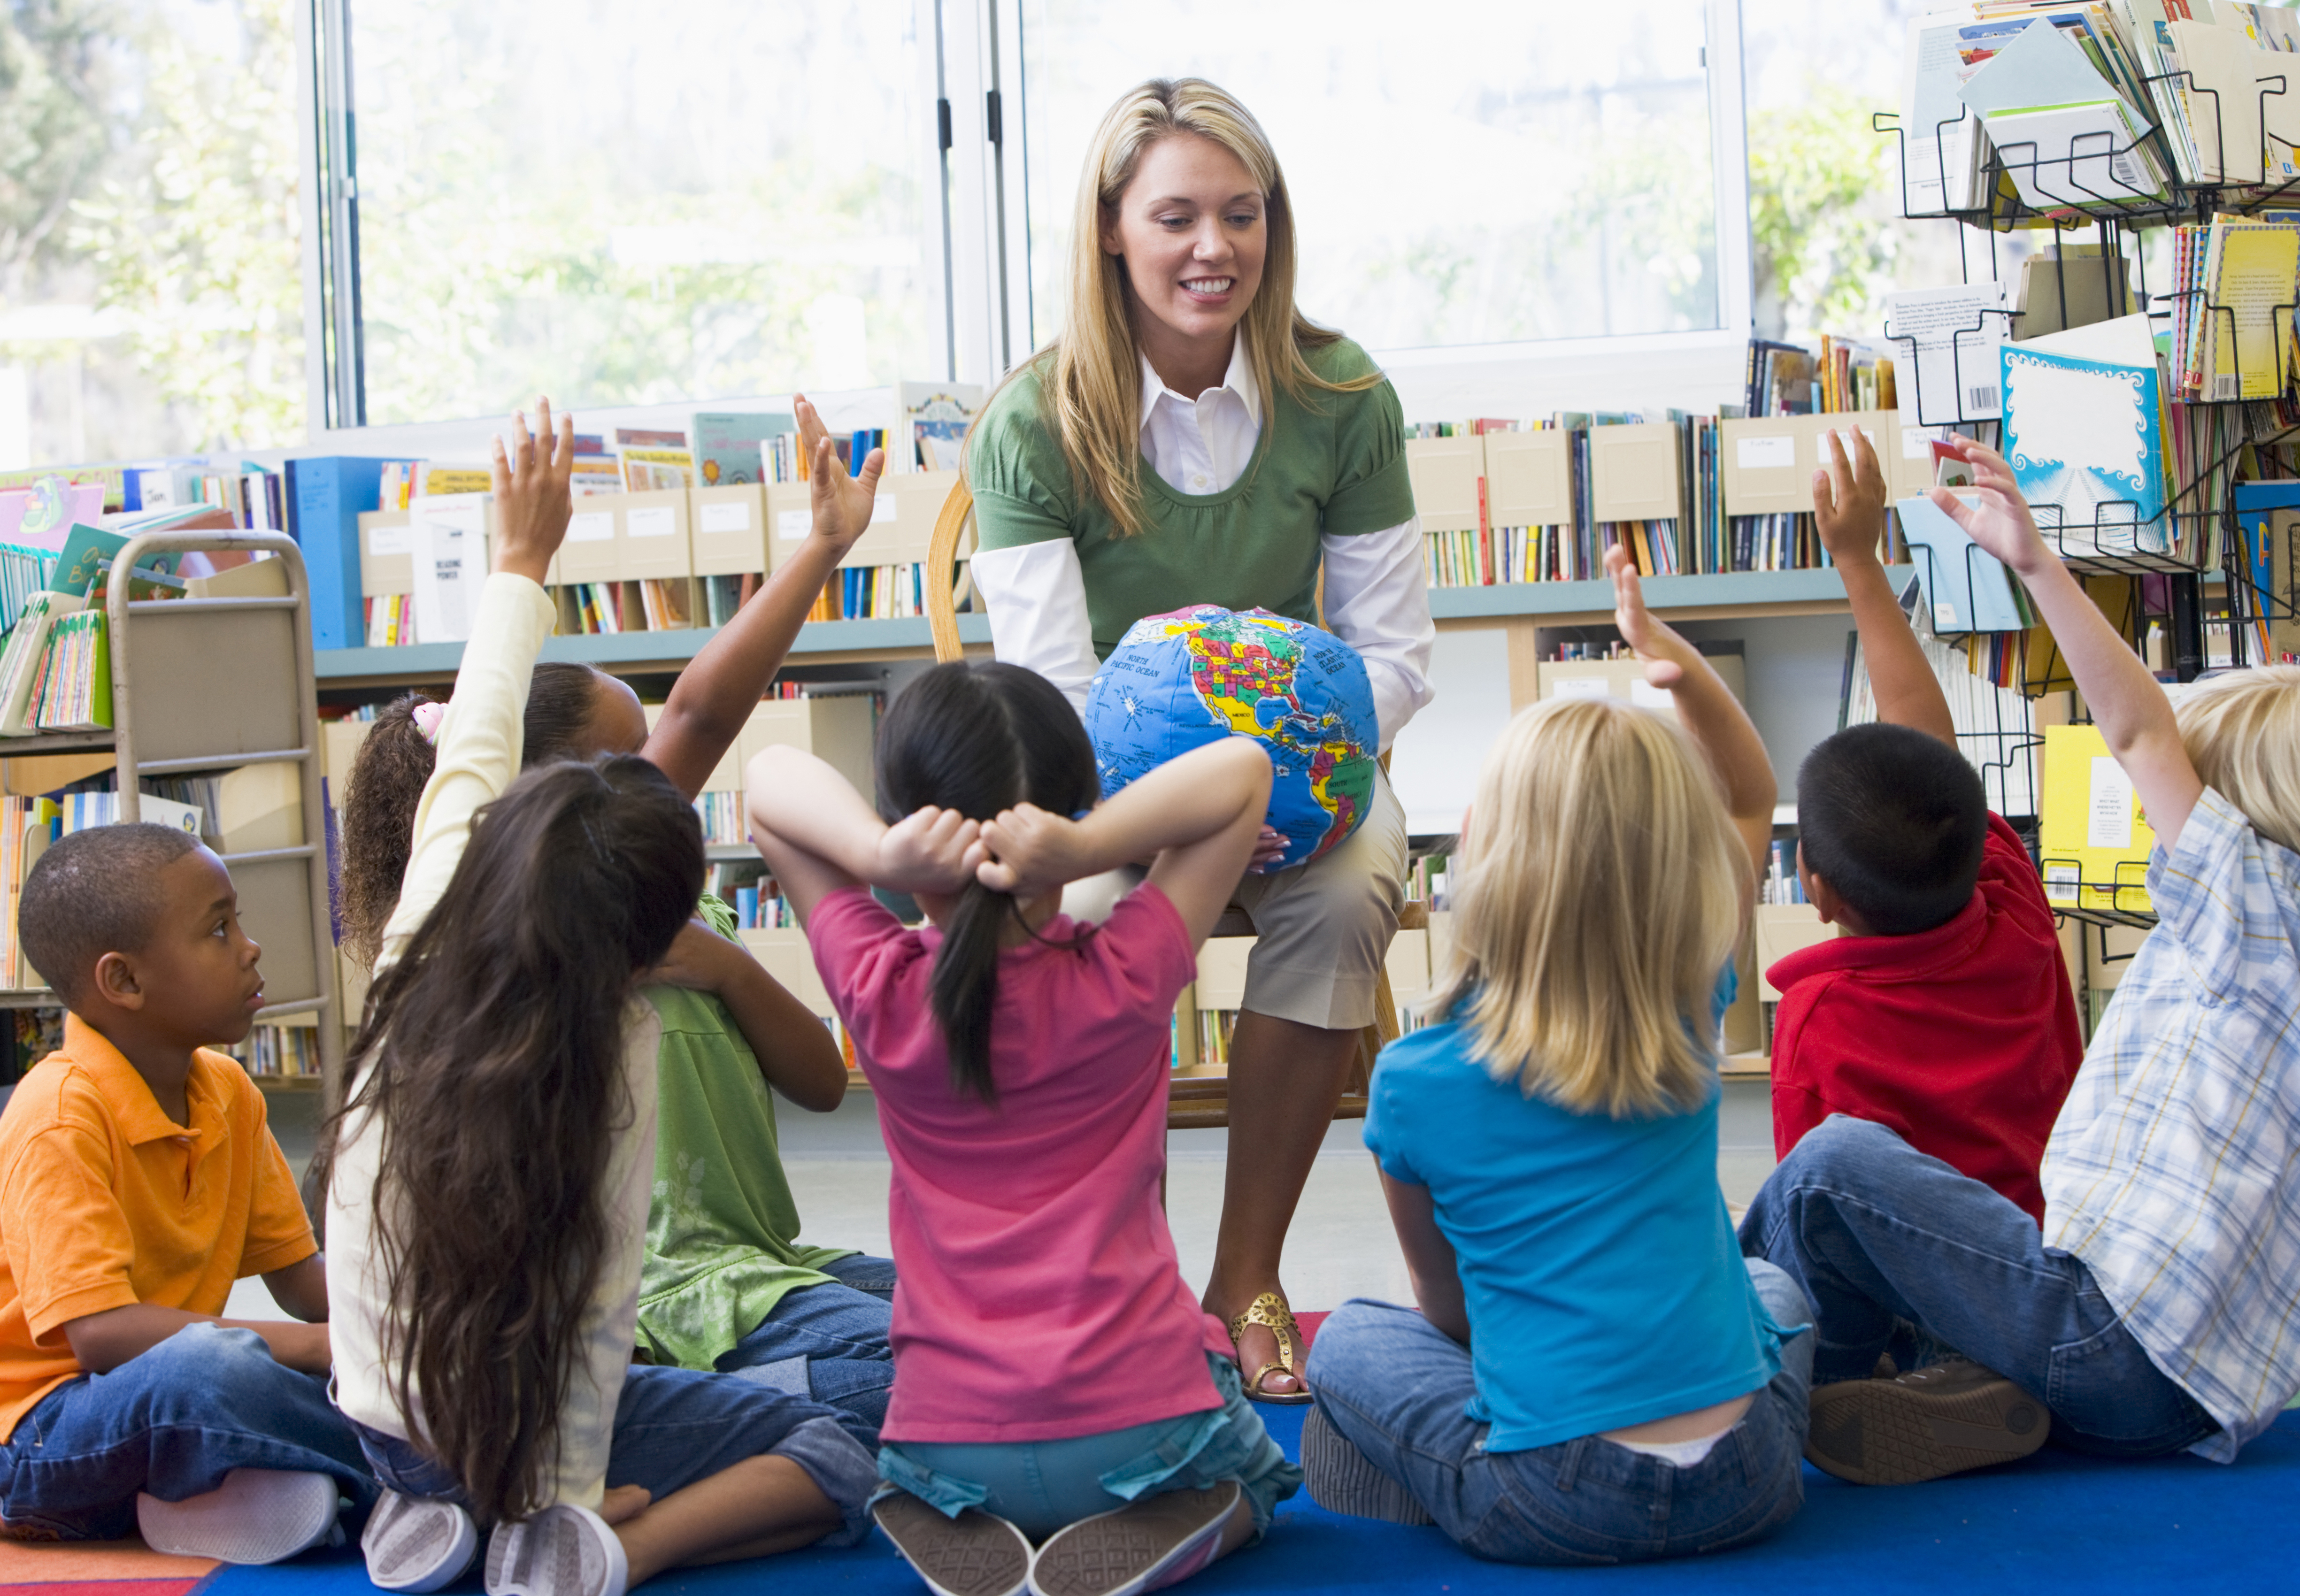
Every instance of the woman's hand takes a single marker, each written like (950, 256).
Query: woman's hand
(1996, 517)
(932, 851)
(843, 505)
(532, 497)
(698, 959)
(1030, 851)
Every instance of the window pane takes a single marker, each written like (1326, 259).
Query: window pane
(150, 296)
(613, 202)
(1499, 170)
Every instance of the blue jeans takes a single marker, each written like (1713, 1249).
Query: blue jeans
(830, 1342)
(1398, 1388)
(1039, 1486)
(172, 1421)
(1875, 1231)
(674, 1426)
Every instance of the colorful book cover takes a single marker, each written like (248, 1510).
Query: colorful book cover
(2093, 838)
(2086, 443)
(87, 553)
(725, 444)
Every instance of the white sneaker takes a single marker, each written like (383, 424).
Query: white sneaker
(560, 1552)
(256, 1515)
(418, 1543)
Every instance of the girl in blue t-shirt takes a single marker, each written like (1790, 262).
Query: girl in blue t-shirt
(1596, 1375)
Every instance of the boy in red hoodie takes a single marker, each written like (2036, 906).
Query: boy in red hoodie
(1942, 1009)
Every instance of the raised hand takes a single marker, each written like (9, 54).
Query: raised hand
(698, 958)
(1664, 652)
(842, 503)
(1995, 517)
(533, 500)
(931, 851)
(1848, 501)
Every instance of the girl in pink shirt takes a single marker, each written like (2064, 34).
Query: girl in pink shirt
(1055, 1381)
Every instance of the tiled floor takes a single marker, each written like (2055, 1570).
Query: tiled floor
(1340, 1246)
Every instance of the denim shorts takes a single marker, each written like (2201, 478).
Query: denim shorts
(1039, 1486)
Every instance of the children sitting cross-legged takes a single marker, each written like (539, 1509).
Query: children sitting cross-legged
(1055, 1380)
(1943, 1011)
(726, 1284)
(138, 1181)
(1595, 1375)
(487, 1204)
(2154, 1312)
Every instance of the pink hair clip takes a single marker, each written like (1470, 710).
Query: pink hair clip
(427, 717)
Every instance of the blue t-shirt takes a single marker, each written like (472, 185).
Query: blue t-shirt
(1603, 1284)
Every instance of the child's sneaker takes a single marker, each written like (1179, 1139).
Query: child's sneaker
(1922, 1426)
(560, 1552)
(1145, 1545)
(418, 1543)
(1340, 1480)
(974, 1554)
(256, 1515)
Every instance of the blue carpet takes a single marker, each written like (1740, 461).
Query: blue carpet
(2056, 1523)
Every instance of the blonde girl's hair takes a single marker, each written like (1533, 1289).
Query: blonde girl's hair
(1600, 896)
(1091, 374)
(2242, 733)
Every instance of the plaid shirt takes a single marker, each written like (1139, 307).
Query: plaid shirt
(2174, 1171)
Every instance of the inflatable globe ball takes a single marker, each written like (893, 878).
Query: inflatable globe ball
(1179, 681)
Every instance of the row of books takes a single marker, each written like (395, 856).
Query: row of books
(280, 1052)
(1782, 885)
(873, 593)
(1427, 880)
(65, 671)
(1843, 376)
(722, 817)
(759, 907)
(2236, 279)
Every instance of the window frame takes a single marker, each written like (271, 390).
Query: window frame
(980, 228)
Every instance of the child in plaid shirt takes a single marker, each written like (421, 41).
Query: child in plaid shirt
(2157, 1312)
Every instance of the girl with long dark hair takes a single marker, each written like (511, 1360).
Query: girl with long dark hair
(491, 1169)
(1054, 1379)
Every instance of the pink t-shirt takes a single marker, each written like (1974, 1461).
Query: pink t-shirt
(1039, 1296)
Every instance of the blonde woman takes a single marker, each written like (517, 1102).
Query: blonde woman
(1191, 438)
(1596, 1375)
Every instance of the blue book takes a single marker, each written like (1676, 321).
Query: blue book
(325, 498)
(1969, 588)
(2085, 441)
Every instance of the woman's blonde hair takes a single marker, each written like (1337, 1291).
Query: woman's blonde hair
(2242, 732)
(1600, 894)
(1091, 374)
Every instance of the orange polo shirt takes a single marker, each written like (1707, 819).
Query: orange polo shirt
(106, 1202)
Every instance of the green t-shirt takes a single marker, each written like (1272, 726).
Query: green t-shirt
(1336, 466)
(722, 1229)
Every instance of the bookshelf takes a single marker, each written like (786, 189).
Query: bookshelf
(218, 681)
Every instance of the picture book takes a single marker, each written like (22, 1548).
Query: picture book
(725, 445)
(1969, 588)
(654, 459)
(2085, 441)
(936, 417)
(2093, 838)
(87, 553)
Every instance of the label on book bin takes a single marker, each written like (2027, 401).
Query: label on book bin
(390, 540)
(734, 517)
(1776, 451)
(593, 526)
(657, 520)
(792, 526)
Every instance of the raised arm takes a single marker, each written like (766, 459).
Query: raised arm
(727, 678)
(2130, 709)
(1710, 712)
(1848, 506)
(1200, 814)
(817, 834)
(797, 1055)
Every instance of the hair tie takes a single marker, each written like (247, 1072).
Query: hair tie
(427, 717)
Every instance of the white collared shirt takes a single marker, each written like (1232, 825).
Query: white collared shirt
(1377, 586)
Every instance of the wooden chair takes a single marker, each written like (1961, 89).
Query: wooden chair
(1197, 1103)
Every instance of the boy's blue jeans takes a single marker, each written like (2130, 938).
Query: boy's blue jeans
(674, 1426)
(1398, 1387)
(173, 1422)
(830, 1342)
(1875, 1231)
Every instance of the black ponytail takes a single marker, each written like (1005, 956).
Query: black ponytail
(980, 739)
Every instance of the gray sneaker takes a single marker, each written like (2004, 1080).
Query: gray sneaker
(1923, 1426)
(1146, 1545)
(974, 1554)
(1340, 1480)
(560, 1552)
(417, 1543)
(256, 1515)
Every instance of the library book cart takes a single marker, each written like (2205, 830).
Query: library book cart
(211, 683)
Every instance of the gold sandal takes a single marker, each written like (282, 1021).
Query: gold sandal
(1270, 1312)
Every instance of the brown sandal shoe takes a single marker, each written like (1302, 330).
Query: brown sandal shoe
(1270, 1312)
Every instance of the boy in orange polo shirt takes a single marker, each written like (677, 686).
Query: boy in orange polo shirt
(138, 1181)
